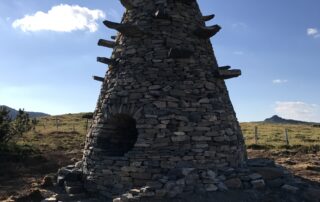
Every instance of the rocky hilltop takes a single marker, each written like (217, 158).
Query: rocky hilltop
(13, 113)
(279, 120)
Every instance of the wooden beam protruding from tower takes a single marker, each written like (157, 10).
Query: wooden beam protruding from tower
(106, 43)
(228, 74)
(106, 61)
(127, 4)
(126, 29)
(98, 78)
(207, 32)
(208, 17)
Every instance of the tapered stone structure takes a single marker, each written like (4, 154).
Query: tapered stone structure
(164, 109)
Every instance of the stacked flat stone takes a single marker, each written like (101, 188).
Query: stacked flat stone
(163, 75)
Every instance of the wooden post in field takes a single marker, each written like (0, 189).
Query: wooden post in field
(57, 124)
(286, 136)
(45, 123)
(73, 128)
(87, 122)
(256, 134)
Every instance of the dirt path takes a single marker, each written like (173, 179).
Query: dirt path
(20, 175)
(303, 165)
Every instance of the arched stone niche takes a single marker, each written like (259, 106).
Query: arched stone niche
(120, 135)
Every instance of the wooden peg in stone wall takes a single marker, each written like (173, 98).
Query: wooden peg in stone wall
(106, 61)
(127, 4)
(207, 32)
(208, 17)
(106, 43)
(98, 78)
(126, 29)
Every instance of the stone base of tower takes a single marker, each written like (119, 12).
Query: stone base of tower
(163, 172)
(258, 180)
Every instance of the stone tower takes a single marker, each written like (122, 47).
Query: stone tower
(164, 106)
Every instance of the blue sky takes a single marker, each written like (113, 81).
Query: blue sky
(46, 65)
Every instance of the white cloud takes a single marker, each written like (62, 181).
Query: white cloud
(61, 18)
(314, 32)
(298, 111)
(279, 81)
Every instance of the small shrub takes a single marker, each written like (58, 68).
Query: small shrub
(10, 128)
(5, 125)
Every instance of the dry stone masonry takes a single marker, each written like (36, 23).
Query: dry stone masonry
(164, 128)
(164, 116)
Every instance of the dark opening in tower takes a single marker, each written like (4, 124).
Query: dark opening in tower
(120, 135)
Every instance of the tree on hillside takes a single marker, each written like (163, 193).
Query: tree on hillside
(10, 128)
(22, 123)
(5, 125)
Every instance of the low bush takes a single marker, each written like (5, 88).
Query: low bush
(10, 128)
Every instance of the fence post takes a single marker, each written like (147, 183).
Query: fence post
(57, 124)
(87, 122)
(286, 136)
(256, 134)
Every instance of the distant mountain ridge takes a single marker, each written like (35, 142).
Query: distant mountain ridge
(278, 119)
(13, 113)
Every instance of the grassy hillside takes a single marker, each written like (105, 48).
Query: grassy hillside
(52, 133)
(272, 136)
(71, 130)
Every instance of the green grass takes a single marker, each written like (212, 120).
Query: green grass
(47, 136)
(17, 149)
(272, 136)
(71, 131)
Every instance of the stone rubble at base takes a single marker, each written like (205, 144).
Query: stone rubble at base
(196, 181)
